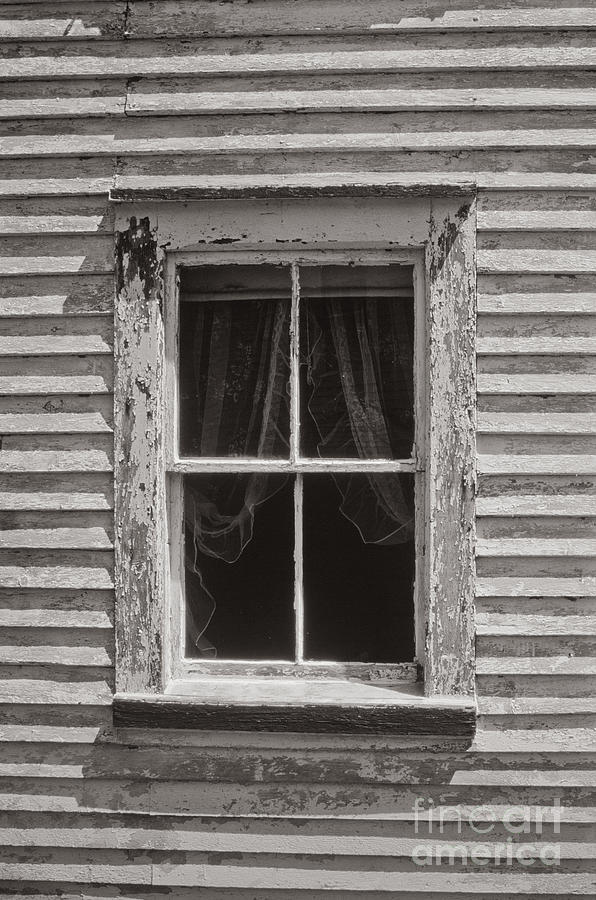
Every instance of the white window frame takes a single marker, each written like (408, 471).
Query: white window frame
(183, 670)
(433, 222)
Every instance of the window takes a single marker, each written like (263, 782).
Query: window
(296, 514)
(294, 464)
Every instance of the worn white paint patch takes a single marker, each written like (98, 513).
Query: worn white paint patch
(139, 476)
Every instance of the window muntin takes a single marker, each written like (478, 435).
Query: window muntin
(297, 339)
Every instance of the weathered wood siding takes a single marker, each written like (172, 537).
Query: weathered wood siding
(501, 90)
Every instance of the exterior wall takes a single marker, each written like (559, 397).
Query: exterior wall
(502, 91)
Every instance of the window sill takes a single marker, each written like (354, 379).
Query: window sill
(333, 707)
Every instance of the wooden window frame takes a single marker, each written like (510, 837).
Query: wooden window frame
(433, 228)
(183, 670)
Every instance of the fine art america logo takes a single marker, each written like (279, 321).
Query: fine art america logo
(513, 837)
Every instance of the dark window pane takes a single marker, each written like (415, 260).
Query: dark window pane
(358, 596)
(239, 566)
(234, 361)
(357, 345)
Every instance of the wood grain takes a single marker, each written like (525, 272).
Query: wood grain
(139, 474)
(169, 713)
(450, 449)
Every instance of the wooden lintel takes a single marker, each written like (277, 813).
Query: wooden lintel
(135, 189)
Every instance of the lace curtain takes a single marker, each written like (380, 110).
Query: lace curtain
(357, 378)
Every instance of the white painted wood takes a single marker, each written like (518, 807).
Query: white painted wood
(334, 61)
(379, 673)
(537, 505)
(295, 450)
(536, 220)
(536, 384)
(74, 657)
(544, 665)
(55, 618)
(66, 538)
(49, 224)
(140, 102)
(512, 586)
(485, 180)
(544, 465)
(55, 461)
(537, 303)
(53, 305)
(536, 423)
(299, 568)
(299, 691)
(237, 464)
(541, 344)
(522, 625)
(535, 547)
(55, 186)
(60, 423)
(563, 261)
(309, 840)
(68, 107)
(54, 577)
(271, 143)
(293, 465)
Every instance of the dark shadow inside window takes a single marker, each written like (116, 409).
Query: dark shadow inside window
(250, 600)
(358, 597)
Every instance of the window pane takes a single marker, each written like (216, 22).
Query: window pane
(358, 596)
(357, 346)
(239, 557)
(234, 361)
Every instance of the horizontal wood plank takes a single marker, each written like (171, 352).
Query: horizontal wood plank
(57, 384)
(509, 464)
(545, 665)
(536, 505)
(169, 19)
(48, 22)
(539, 303)
(543, 384)
(55, 461)
(387, 100)
(44, 345)
(535, 547)
(57, 577)
(55, 186)
(535, 423)
(522, 625)
(511, 586)
(93, 538)
(536, 220)
(101, 144)
(54, 423)
(517, 261)
(10, 225)
(335, 61)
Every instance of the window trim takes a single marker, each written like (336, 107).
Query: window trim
(143, 672)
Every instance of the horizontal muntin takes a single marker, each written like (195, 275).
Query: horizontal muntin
(231, 464)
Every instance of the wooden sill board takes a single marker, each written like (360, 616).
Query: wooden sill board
(336, 707)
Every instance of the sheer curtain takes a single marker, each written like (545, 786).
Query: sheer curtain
(360, 398)
(358, 384)
(241, 372)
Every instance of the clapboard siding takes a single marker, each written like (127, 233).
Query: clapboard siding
(185, 94)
